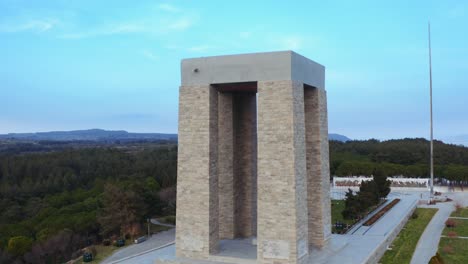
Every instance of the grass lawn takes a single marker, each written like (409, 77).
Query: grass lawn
(463, 212)
(337, 206)
(404, 244)
(454, 250)
(461, 228)
(158, 228)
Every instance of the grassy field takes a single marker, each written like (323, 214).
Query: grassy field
(454, 250)
(463, 212)
(404, 244)
(461, 228)
(336, 209)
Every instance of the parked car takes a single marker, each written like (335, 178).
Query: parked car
(140, 239)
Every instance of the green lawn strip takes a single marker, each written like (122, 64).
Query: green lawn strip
(463, 212)
(454, 250)
(461, 228)
(337, 207)
(405, 243)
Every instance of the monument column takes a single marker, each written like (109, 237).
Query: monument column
(318, 171)
(282, 177)
(197, 183)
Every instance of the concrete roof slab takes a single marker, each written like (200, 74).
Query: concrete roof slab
(268, 66)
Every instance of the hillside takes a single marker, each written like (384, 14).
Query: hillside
(409, 157)
(89, 135)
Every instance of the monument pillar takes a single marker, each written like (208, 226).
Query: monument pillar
(282, 176)
(197, 184)
(318, 168)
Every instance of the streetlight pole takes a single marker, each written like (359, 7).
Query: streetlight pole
(432, 128)
(148, 224)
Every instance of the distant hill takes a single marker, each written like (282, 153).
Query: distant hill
(338, 137)
(106, 135)
(89, 135)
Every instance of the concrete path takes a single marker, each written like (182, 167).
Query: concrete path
(153, 243)
(429, 241)
(156, 222)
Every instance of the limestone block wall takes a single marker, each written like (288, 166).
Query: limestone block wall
(318, 171)
(226, 166)
(197, 187)
(282, 177)
(237, 164)
(245, 163)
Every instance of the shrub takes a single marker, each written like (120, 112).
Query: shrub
(437, 259)
(448, 249)
(171, 219)
(19, 245)
(106, 242)
(92, 250)
(450, 223)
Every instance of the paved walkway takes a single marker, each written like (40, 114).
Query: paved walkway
(149, 245)
(428, 243)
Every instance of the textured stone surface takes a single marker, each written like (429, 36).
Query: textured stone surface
(252, 166)
(282, 193)
(226, 166)
(318, 171)
(197, 185)
(245, 164)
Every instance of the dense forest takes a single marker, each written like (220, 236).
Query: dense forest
(407, 157)
(55, 202)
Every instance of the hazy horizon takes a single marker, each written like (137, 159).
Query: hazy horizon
(72, 65)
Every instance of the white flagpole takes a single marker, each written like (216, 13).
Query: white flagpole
(432, 128)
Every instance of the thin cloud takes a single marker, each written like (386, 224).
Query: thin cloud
(149, 55)
(35, 25)
(146, 27)
(168, 8)
(245, 34)
(457, 12)
(201, 48)
(181, 24)
(292, 42)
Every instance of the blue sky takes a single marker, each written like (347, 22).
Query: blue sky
(78, 64)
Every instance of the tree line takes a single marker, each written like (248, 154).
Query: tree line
(407, 157)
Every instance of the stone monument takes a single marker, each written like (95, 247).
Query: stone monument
(253, 165)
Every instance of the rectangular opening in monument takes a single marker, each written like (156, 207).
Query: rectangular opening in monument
(237, 162)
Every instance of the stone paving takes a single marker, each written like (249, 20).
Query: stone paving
(154, 242)
(349, 249)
